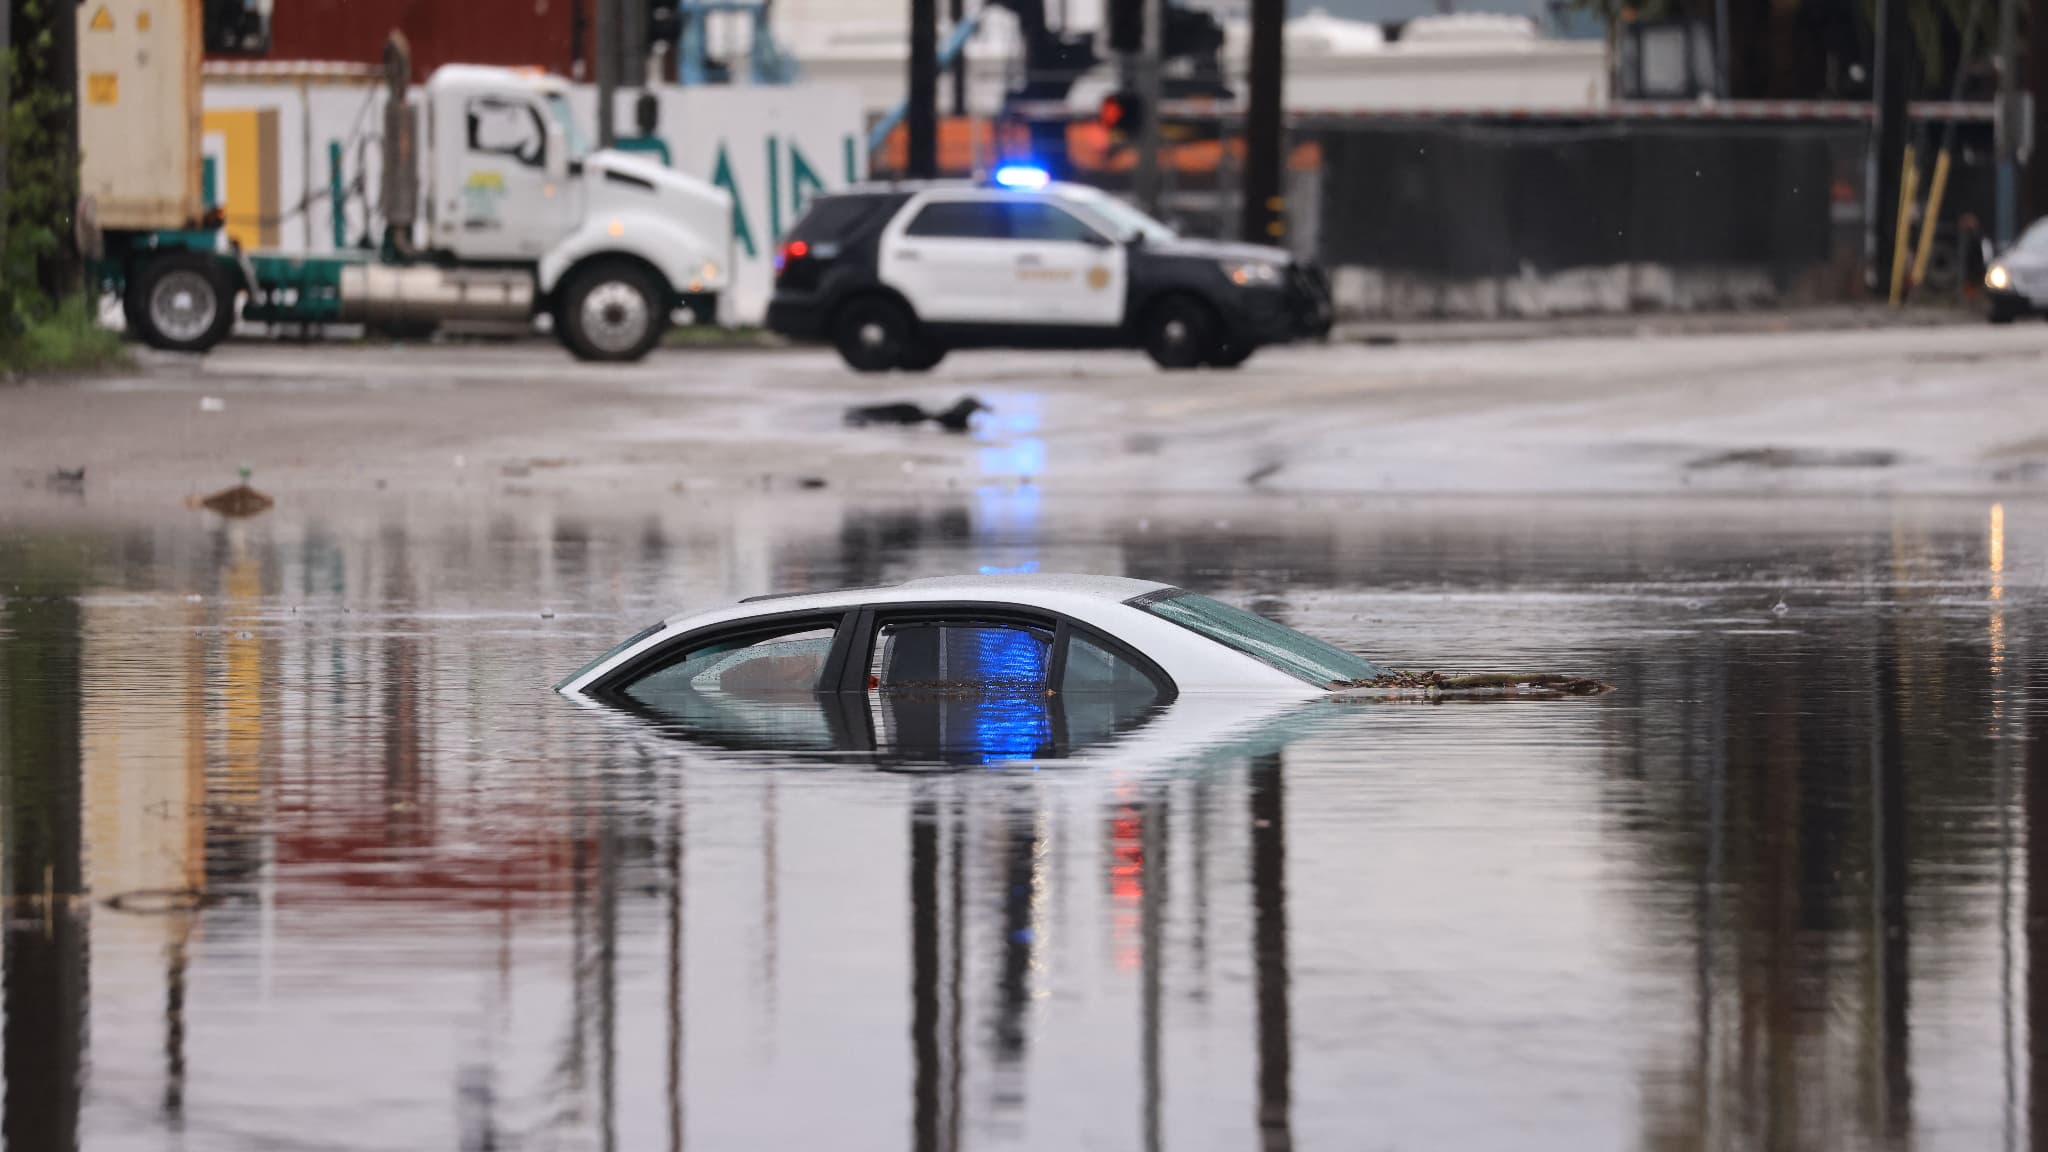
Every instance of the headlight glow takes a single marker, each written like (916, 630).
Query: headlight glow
(1251, 273)
(1998, 277)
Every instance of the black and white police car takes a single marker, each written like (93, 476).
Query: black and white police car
(897, 275)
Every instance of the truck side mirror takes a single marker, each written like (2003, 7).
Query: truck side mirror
(557, 159)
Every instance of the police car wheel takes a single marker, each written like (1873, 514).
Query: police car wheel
(1231, 355)
(872, 334)
(922, 356)
(610, 311)
(1180, 333)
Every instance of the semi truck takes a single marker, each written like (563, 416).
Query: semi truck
(492, 208)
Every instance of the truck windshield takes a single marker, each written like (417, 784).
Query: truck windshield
(558, 107)
(1302, 657)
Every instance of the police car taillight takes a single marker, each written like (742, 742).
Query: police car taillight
(801, 250)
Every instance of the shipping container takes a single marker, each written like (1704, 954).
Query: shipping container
(550, 34)
(139, 116)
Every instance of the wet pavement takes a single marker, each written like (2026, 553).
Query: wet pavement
(302, 853)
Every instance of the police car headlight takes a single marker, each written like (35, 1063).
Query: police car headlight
(1998, 277)
(1251, 273)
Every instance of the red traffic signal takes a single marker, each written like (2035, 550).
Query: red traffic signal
(1122, 112)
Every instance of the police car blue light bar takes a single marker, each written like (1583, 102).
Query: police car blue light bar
(1026, 176)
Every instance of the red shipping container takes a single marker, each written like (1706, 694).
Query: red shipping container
(517, 33)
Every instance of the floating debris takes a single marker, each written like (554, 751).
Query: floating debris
(212, 404)
(1436, 684)
(66, 479)
(238, 502)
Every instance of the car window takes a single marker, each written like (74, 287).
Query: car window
(961, 220)
(836, 217)
(1093, 668)
(1038, 221)
(1303, 657)
(781, 664)
(961, 656)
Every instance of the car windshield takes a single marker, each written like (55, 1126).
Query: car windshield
(558, 107)
(1120, 219)
(1303, 657)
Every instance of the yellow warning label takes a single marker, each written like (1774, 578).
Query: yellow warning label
(103, 88)
(142, 21)
(102, 20)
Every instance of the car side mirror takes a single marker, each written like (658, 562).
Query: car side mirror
(556, 159)
(1096, 240)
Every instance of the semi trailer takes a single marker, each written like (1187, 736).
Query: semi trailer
(492, 208)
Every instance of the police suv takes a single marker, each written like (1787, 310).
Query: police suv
(897, 275)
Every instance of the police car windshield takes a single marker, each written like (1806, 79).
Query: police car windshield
(1120, 219)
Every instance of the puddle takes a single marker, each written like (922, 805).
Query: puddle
(300, 848)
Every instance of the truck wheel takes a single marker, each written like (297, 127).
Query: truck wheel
(181, 302)
(922, 356)
(1180, 333)
(872, 334)
(610, 311)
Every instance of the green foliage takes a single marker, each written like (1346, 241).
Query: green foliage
(42, 173)
(67, 338)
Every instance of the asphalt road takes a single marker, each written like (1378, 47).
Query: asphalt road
(1936, 410)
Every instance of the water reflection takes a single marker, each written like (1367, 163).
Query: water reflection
(301, 786)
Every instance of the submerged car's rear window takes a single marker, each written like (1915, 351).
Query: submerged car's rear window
(1303, 657)
(615, 649)
(837, 217)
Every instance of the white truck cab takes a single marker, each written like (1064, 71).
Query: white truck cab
(615, 242)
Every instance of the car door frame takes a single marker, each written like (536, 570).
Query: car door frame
(1082, 299)
(611, 687)
(982, 306)
(856, 672)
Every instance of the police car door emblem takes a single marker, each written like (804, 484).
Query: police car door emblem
(1098, 277)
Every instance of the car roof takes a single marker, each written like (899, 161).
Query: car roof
(1032, 590)
(912, 187)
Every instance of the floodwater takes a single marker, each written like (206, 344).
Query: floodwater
(302, 853)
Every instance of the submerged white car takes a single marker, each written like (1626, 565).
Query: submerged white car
(983, 634)
(987, 669)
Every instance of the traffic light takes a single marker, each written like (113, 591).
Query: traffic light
(234, 28)
(1123, 113)
(664, 22)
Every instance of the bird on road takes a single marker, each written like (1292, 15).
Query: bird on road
(954, 419)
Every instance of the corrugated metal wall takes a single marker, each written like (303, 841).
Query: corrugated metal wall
(550, 34)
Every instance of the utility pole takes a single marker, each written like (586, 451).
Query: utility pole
(2005, 219)
(1151, 68)
(6, 93)
(1887, 162)
(922, 119)
(608, 37)
(2037, 118)
(1265, 211)
(956, 11)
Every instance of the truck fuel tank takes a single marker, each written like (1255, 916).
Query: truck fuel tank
(389, 294)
